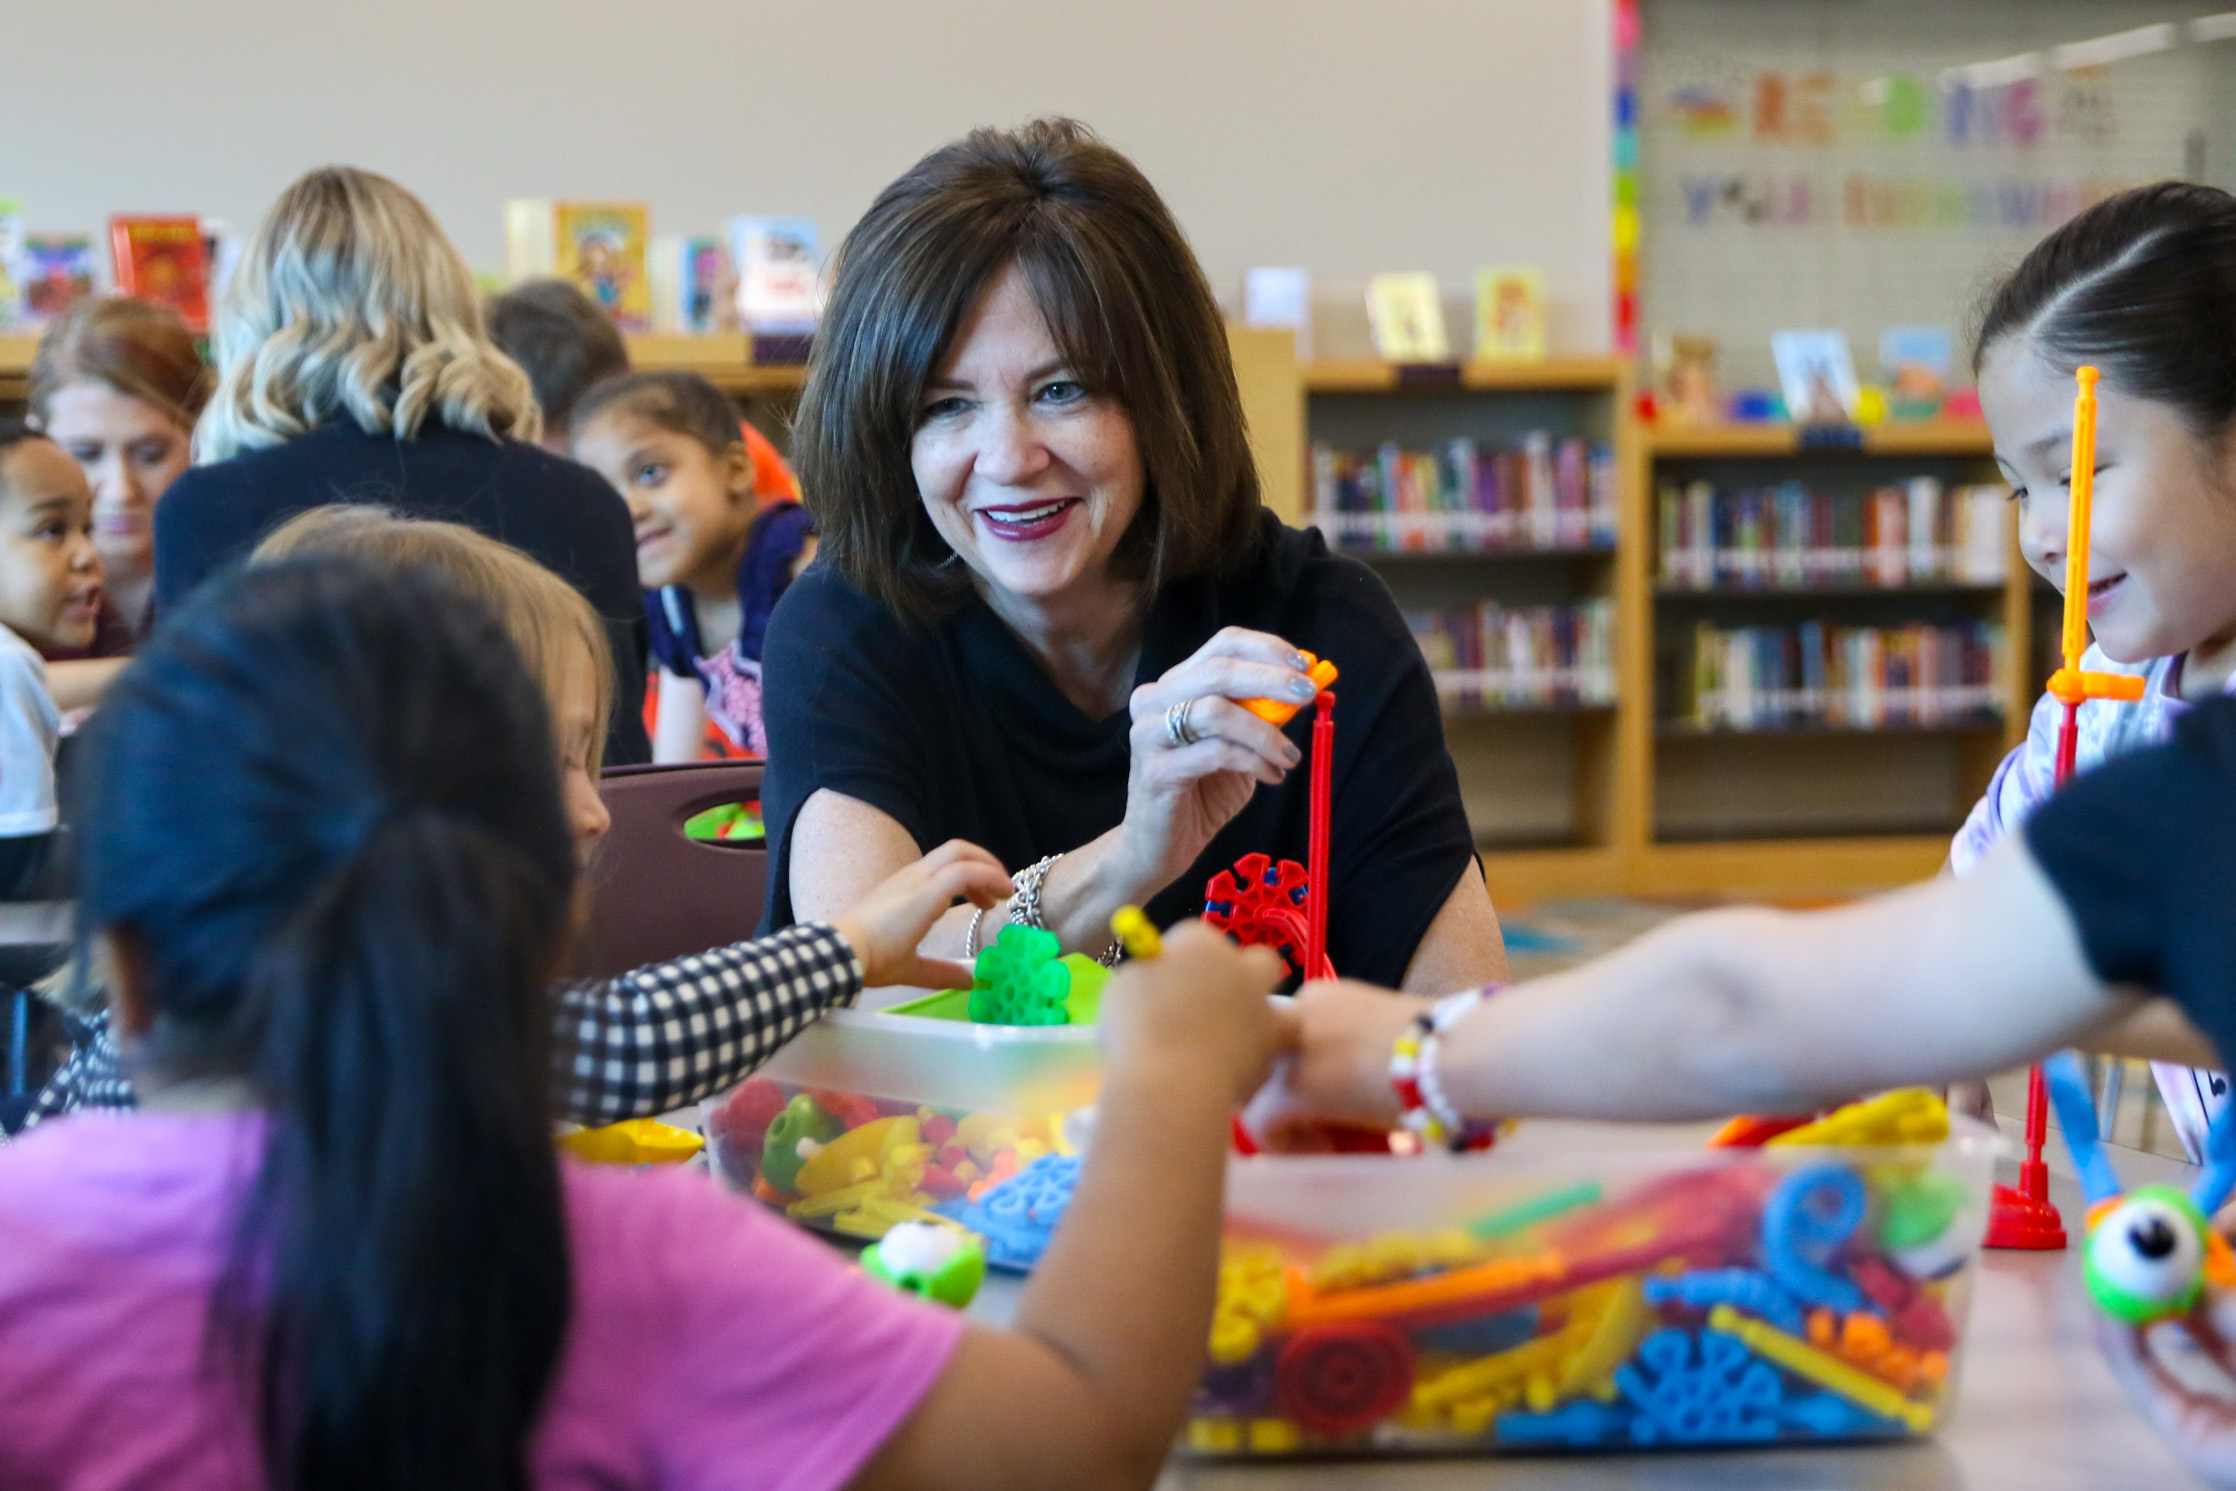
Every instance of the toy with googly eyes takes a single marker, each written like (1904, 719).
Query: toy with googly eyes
(2149, 1252)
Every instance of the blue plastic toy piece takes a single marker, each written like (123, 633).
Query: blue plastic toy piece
(1579, 1425)
(1830, 1416)
(2213, 1187)
(2076, 1115)
(1804, 1223)
(1484, 1335)
(1018, 1217)
(1744, 1288)
(1717, 1393)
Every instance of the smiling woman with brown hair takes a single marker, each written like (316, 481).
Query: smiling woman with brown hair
(1050, 580)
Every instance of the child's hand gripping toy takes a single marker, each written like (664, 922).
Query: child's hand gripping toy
(2148, 1252)
(2022, 1216)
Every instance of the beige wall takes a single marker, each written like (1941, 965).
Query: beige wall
(1346, 136)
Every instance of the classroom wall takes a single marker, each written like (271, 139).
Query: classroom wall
(1351, 138)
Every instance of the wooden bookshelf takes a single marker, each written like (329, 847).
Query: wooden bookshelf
(1933, 437)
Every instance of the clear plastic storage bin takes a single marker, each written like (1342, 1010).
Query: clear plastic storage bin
(1591, 1287)
(870, 1119)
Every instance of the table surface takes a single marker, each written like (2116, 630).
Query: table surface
(2037, 1410)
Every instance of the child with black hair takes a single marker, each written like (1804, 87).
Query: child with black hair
(563, 341)
(326, 844)
(714, 554)
(2143, 287)
(50, 600)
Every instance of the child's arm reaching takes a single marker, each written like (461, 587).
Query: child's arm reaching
(1742, 1011)
(668, 1034)
(1089, 1387)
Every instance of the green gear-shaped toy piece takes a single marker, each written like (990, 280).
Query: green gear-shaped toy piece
(1019, 980)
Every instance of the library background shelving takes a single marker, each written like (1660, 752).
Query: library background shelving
(1607, 799)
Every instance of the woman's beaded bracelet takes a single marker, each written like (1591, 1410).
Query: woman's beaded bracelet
(1024, 907)
(1422, 1105)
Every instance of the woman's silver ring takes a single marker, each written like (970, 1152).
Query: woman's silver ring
(1177, 729)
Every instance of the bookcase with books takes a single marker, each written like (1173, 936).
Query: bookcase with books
(1841, 635)
(1490, 498)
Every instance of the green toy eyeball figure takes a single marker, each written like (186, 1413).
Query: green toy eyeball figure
(2145, 1256)
(2147, 1251)
(945, 1264)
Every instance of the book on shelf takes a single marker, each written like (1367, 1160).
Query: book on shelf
(694, 290)
(1406, 315)
(1509, 315)
(1788, 537)
(600, 246)
(12, 236)
(1466, 497)
(53, 272)
(163, 259)
(779, 293)
(1852, 677)
(1488, 656)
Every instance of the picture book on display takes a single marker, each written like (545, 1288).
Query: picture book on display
(11, 260)
(694, 290)
(1408, 318)
(601, 246)
(1509, 315)
(163, 259)
(778, 290)
(1817, 375)
(53, 273)
(1281, 298)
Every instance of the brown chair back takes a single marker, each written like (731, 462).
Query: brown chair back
(655, 894)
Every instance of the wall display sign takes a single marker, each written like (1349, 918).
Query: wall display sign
(1861, 165)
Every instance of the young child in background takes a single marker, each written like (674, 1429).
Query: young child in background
(50, 597)
(661, 1036)
(563, 341)
(337, 1248)
(713, 556)
(2143, 286)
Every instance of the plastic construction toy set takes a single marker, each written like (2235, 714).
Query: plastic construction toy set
(1592, 1288)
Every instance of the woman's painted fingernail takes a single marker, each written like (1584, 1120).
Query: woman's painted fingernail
(1300, 662)
(1303, 688)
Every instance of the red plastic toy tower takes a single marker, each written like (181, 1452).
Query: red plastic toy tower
(2021, 1216)
(1258, 901)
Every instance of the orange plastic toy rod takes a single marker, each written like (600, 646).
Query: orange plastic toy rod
(1280, 711)
(2069, 685)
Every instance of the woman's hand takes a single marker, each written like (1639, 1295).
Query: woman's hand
(886, 925)
(1197, 1012)
(1179, 794)
(1340, 1074)
(2181, 1374)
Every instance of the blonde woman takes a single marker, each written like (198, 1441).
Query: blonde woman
(353, 366)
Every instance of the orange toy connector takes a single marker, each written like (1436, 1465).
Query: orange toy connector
(2069, 685)
(1280, 712)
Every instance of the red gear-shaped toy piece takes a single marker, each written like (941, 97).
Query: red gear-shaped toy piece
(1259, 902)
(1338, 1380)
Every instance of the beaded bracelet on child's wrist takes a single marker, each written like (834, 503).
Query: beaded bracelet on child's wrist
(1423, 1107)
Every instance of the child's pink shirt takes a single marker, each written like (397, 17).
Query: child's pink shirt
(711, 1345)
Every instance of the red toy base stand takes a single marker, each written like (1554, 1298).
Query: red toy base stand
(2018, 1221)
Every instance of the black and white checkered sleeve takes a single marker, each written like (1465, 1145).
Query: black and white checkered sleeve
(671, 1033)
(92, 1076)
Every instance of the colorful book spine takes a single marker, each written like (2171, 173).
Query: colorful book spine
(1466, 497)
(1865, 678)
(1789, 537)
(1489, 657)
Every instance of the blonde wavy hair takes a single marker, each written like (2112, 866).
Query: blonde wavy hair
(349, 300)
(557, 632)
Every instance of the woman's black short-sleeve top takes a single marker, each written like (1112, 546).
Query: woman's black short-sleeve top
(955, 730)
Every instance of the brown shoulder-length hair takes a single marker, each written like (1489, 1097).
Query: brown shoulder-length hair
(1126, 303)
(140, 349)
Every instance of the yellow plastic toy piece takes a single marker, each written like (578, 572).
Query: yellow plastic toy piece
(1392, 1255)
(635, 1141)
(1136, 932)
(2069, 685)
(1253, 1299)
(1827, 1372)
(1214, 1436)
(856, 1155)
(1274, 1437)
(1909, 1115)
(1606, 1324)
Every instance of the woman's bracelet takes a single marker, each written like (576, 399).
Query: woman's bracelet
(1024, 906)
(1422, 1105)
